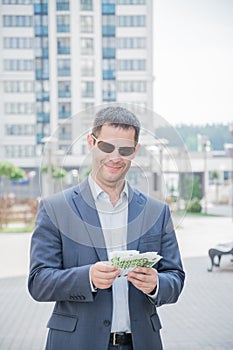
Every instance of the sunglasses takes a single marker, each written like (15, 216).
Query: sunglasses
(107, 147)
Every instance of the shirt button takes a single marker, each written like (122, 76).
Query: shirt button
(106, 323)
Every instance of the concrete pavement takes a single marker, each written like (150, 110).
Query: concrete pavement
(201, 320)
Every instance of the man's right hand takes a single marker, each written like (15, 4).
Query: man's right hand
(103, 274)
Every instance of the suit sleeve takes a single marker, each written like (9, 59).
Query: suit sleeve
(170, 270)
(48, 280)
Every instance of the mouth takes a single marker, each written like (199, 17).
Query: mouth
(113, 167)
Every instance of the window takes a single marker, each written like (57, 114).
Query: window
(41, 47)
(19, 151)
(109, 50)
(109, 91)
(87, 46)
(131, 86)
(17, 21)
(17, 2)
(131, 21)
(41, 25)
(63, 46)
(64, 110)
(18, 43)
(63, 23)
(87, 68)
(42, 112)
(42, 90)
(63, 67)
(109, 69)
(65, 132)
(131, 43)
(63, 5)
(86, 24)
(42, 68)
(18, 65)
(109, 20)
(87, 89)
(108, 9)
(18, 86)
(131, 2)
(20, 129)
(108, 25)
(86, 5)
(19, 108)
(131, 65)
(64, 89)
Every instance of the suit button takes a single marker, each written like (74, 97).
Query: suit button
(106, 323)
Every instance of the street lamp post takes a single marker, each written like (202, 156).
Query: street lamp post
(206, 148)
(47, 186)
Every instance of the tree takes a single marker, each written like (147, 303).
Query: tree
(11, 172)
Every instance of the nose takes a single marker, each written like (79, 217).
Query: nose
(115, 154)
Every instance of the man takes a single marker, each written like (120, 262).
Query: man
(76, 230)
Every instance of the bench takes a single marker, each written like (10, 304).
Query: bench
(216, 253)
(23, 211)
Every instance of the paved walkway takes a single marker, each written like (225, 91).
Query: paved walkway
(201, 320)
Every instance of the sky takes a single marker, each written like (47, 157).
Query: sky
(193, 61)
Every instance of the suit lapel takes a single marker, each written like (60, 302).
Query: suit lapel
(86, 208)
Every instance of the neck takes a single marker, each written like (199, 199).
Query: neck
(113, 190)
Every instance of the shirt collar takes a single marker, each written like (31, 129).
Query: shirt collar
(97, 191)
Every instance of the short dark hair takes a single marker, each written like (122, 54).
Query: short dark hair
(117, 117)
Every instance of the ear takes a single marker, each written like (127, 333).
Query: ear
(137, 149)
(90, 142)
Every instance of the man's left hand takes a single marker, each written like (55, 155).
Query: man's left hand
(144, 278)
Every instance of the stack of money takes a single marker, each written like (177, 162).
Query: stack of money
(128, 260)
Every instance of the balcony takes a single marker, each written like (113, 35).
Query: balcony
(109, 52)
(108, 30)
(108, 9)
(42, 117)
(109, 96)
(109, 75)
(40, 9)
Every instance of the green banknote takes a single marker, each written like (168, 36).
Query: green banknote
(128, 260)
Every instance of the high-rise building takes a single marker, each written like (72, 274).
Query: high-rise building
(17, 81)
(61, 57)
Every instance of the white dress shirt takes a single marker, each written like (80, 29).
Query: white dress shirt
(114, 220)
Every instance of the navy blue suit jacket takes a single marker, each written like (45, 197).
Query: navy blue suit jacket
(68, 239)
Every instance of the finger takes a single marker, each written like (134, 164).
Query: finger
(105, 267)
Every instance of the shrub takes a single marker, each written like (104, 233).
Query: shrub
(194, 206)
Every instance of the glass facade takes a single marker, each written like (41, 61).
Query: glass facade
(41, 69)
(109, 50)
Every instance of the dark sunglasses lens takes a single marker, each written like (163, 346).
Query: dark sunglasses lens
(106, 147)
(126, 151)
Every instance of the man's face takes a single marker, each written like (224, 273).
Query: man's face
(109, 169)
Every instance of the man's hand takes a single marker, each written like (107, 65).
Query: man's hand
(103, 274)
(144, 278)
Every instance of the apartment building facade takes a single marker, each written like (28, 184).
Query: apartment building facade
(61, 59)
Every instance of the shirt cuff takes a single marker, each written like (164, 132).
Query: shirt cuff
(93, 288)
(155, 294)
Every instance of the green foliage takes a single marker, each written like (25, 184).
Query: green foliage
(196, 189)
(57, 173)
(11, 171)
(218, 134)
(215, 175)
(194, 206)
(191, 188)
